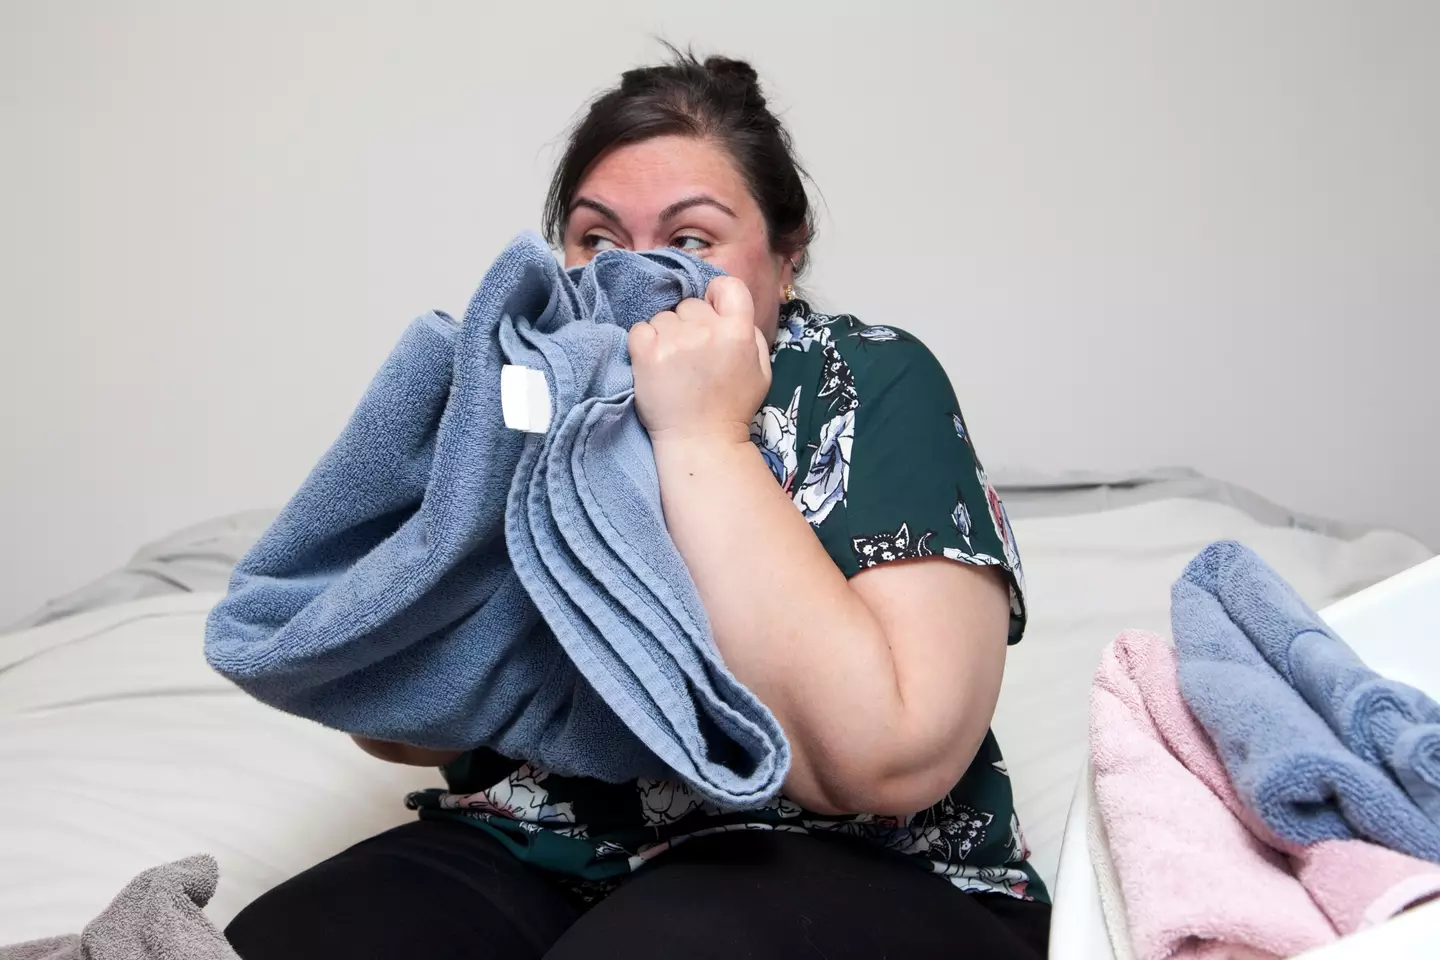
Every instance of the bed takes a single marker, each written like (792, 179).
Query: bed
(120, 749)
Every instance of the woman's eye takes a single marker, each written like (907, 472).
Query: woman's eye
(595, 243)
(689, 244)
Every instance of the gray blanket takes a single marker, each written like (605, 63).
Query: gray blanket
(158, 916)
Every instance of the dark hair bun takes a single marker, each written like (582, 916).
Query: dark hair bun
(737, 77)
(718, 98)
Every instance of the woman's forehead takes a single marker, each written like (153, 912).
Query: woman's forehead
(642, 180)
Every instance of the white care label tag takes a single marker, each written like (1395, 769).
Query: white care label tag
(524, 398)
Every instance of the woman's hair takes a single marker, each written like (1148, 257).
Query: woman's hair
(718, 99)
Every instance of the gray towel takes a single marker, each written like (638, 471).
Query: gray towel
(158, 916)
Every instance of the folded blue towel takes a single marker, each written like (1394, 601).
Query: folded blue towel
(442, 581)
(1387, 723)
(1285, 762)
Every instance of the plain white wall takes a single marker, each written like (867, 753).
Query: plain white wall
(1136, 233)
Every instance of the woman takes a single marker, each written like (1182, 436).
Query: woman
(873, 620)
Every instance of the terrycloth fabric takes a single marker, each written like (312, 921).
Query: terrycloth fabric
(51, 948)
(1360, 885)
(158, 916)
(1285, 763)
(1233, 895)
(1390, 724)
(400, 594)
(1107, 881)
(1355, 883)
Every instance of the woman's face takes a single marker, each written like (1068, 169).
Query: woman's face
(680, 192)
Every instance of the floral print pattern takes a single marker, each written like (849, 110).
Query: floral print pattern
(828, 478)
(862, 430)
(959, 423)
(837, 382)
(666, 801)
(800, 330)
(881, 548)
(522, 797)
(773, 431)
(974, 559)
(960, 516)
(1001, 520)
(878, 335)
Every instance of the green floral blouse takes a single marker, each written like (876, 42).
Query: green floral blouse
(862, 429)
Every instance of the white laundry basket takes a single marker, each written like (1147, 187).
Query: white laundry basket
(1395, 627)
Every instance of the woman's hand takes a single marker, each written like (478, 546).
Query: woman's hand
(701, 370)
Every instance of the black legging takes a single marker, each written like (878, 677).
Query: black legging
(441, 890)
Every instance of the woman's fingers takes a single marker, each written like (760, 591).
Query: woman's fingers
(694, 311)
(665, 322)
(644, 339)
(730, 298)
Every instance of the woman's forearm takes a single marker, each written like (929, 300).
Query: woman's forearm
(787, 622)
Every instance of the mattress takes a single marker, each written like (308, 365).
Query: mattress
(120, 749)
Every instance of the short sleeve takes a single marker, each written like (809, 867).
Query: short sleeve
(913, 485)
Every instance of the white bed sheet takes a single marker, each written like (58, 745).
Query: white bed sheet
(120, 749)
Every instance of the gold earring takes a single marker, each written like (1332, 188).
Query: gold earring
(789, 292)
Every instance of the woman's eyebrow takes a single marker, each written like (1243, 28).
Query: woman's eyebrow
(597, 206)
(699, 200)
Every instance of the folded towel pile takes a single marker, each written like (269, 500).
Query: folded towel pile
(1385, 723)
(1206, 754)
(1285, 761)
(443, 581)
(1194, 878)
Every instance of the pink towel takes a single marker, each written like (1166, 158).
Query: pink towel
(1196, 882)
(1356, 883)
(1360, 884)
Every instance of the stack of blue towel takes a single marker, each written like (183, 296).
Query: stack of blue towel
(1319, 745)
(442, 581)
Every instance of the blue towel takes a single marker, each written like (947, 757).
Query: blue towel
(1386, 723)
(442, 581)
(1285, 762)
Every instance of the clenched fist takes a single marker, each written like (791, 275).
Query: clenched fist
(702, 369)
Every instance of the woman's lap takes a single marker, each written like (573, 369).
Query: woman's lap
(768, 894)
(445, 890)
(442, 891)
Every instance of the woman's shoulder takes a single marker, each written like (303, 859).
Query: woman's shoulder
(856, 355)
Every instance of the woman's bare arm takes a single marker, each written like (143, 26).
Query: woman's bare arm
(885, 684)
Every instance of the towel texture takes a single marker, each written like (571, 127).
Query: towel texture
(1354, 882)
(158, 916)
(1107, 881)
(1285, 763)
(442, 581)
(1235, 896)
(1389, 724)
(1360, 884)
